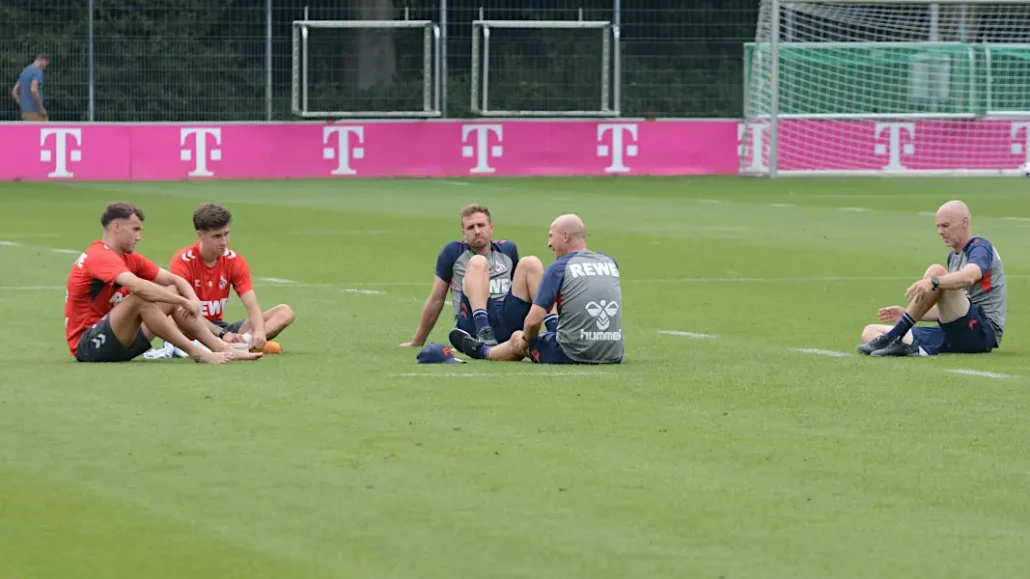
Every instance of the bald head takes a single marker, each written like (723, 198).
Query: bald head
(567, 234)
(954, 210)
(571, 225)
(953, 224)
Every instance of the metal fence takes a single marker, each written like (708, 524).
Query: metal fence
(232, 60)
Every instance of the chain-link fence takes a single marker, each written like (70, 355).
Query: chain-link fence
(231, 60)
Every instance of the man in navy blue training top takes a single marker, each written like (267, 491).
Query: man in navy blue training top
(586, 287)
(491, 288)
(967, 299)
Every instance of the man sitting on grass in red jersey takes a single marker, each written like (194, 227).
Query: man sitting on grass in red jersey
(213, 268)
(103, 324)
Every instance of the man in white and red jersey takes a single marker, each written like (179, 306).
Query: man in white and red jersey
(212, 268)
(103, 324)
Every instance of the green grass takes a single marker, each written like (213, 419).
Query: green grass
(733, 457)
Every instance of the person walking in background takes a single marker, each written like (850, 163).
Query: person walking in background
(28, 91)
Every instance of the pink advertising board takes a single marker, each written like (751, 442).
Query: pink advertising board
(148, 152)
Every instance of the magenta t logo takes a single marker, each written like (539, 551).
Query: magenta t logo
(62, 153)
(619, 148)
(200, 154)
(481, 150)
(342, 150)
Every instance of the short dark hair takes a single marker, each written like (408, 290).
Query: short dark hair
(120, 210)
(43, 56)
(211, 216)
(472, 209)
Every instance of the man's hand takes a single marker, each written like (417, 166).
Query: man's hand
(522, 345)
(412, 344)
(257, 341)
(194, 308)
(890, 314)
(231, 338)
(919, 290)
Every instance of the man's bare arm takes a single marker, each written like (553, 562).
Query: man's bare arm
(966, 276)
(34, 89)
(16, 93)
(534, 319)
(254, 313)
(150, 291)
(430, 312)
(167, 278)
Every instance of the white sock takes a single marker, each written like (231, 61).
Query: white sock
(248, 338)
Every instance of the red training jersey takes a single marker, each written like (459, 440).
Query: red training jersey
(91, 291)
(212, 283)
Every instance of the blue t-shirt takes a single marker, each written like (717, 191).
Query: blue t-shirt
(29, 74)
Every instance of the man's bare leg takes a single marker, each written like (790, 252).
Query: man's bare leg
(873, 331)
(476, 289)
(897, 341)
(527, 278)
(476, 284)
(197, 326)
(277, 319)
(132, 312)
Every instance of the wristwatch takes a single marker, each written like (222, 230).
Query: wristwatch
(936, 283)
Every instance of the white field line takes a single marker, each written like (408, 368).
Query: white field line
(709, 201)
(494, 374)
(853, 209)
(693, 335)
(830, 353)
(782, 205)
(980, 373)
(1020, 219)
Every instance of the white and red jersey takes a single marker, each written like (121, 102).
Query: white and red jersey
(212, 283)
(92, 292)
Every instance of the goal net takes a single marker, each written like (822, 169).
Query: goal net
(890, 88)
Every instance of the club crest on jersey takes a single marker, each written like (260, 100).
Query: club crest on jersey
(222, 282)
(499, 268)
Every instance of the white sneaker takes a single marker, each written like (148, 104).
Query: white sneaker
(164, 352)
(178, 353)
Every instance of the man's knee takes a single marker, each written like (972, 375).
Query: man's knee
(284, 314)
(935, 270)
(871, 332)
(529, 265)
(477, 268)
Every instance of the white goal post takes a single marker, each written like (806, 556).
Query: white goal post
(430, 62)
(887, 87)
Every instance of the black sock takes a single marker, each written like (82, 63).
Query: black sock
(902, 327)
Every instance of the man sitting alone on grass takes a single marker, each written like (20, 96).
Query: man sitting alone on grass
(967, 299)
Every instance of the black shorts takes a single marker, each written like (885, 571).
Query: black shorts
(99, 344)
(233, 327)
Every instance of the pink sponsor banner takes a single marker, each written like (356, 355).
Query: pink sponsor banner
(894, 146)
(148, 152)
(142, 152)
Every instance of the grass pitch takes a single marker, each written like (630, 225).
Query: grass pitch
(741, 439)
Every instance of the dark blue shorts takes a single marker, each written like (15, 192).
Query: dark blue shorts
(545, 349)
(506, 316)
(970, 334)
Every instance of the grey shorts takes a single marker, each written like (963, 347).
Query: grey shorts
(233, 327)
(99, 344)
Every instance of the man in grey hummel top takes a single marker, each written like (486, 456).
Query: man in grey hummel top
(585, 286)
(967, 299)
